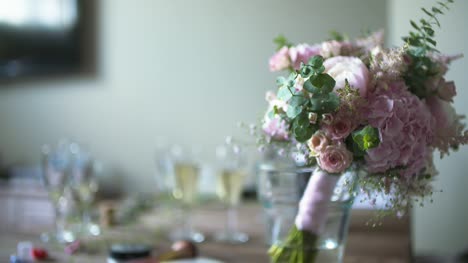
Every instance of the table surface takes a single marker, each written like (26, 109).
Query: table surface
(387, 243)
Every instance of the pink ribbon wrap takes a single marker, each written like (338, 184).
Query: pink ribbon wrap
(313, 207)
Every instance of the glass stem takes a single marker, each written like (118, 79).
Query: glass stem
(187, 215)
(59, 223)
(231, 219)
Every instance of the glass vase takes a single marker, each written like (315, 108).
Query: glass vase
(281, 187)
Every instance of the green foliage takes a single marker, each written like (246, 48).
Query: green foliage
(316, 97)
(298, 248)
(286, 87)
(420, 42)
(324, 83)
(366, 138)
(302, 128)
(325, 103)
(281, 41)
(335, 35)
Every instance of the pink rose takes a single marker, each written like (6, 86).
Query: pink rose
(317, 143)
(280, 60)
(447, 91)
(348, 68)
(339, 128)
(302, 53)
(335, 158)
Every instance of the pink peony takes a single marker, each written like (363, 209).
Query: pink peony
(280, 60)
(331, 48)
(348, 68)
(302, 53)
(335, 158)
(405, 128)
(317, 143)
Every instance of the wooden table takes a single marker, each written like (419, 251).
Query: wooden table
(389, 243)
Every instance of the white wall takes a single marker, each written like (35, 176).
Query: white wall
(442, 227)
(183, 70)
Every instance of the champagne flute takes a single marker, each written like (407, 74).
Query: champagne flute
(185, 189)
(85, 186)
(55, 177)
(231, 176)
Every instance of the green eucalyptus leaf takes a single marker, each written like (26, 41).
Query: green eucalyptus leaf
(325, 103)
(324, 82)
(316, 61)
(320, 69)
(302, 119)
(292, 111)
(302, 134)
(297, 100)
(306, 71)
(310, 87)
(284, 93)
(280, 80)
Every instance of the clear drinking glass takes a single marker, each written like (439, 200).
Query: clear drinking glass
(230, 179)
(281, 185)
(184, 184)
(84, 184)
(55, 176)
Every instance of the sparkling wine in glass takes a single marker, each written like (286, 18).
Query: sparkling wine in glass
(185, 189)
(84, 183)
(230, 181)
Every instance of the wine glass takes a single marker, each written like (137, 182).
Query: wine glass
(84, 183)
(55, 177)
(230, 179)
(185, 176)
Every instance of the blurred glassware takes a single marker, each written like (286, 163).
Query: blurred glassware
(164, 171)
(231, 175)
(183, 182)
(55, 176)
(84, 184)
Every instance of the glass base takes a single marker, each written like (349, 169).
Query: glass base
(91, 229)
(62, 237)
(232, 237)
(193, 236)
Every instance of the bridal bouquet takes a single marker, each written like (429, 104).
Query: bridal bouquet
(355, 103)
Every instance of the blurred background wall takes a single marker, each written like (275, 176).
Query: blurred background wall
(188, 71)
(183, 71)
(442, 227)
